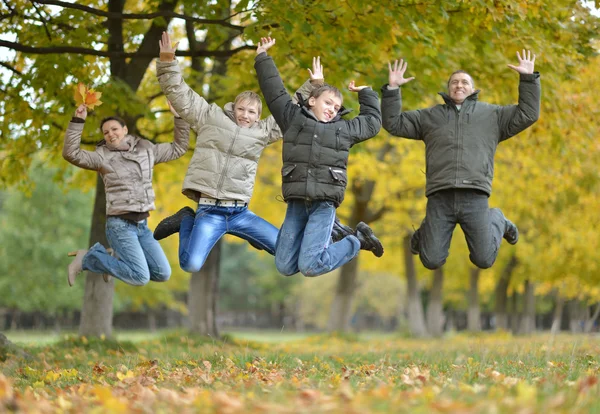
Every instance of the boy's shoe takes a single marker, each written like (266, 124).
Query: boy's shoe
(107, 276)
(339, 231)
(367, 239)
(76, 266)
(511, 234)
(414, 243)
(171, 224)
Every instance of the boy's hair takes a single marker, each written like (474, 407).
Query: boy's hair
(461, 71)
(315, 93)
(111, 118)
(250, 97)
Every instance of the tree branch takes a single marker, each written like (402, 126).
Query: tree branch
(13, 70)
(103, 53)
(139, 16)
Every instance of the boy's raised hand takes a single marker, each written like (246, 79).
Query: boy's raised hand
(317, 69)
(353, 88)
(526, 63)
(396, 77)
(167, 51)
(265, 44)
(81, 112)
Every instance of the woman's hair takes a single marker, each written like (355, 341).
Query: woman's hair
(315, 93)
(112, 118)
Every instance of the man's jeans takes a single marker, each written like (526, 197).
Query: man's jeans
(303, 243)
(483, 227)
(197, 236)
(139, 257)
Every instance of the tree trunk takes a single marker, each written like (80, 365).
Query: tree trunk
(97, 310)
(514, 316)
(152, 324)
(14, 319)
(435, 308)
(341, 308)
(203, 294)
(589, 324)
(502, 294)
(416, 319)
(576, 316)
(473, 313)
(528, 320)
(558, 311)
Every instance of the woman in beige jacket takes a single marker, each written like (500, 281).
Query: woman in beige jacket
(125, 163)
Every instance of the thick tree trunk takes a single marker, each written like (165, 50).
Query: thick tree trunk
(341, 308)
(435, 308)
(203, 296)
(589, 324)
(528, 320)
(473, 313)
(502, 294)
(97, 310)
(557, 316)
(416, 319)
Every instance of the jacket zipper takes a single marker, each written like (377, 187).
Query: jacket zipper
(237, 132)
(337, 139)
(458, 132)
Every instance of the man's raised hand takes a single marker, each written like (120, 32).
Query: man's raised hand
(167, 50)
(396, 76)
(317, 69)
(265, 44)
(353, 88)
(526, 63)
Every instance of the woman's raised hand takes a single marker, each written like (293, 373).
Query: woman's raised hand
(81, 112)
(167, 50)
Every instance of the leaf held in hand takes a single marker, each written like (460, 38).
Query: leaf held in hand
(86, 96)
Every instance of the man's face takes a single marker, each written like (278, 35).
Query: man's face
(326, 106)
(246, 113)
(459, 87)
(113, 132)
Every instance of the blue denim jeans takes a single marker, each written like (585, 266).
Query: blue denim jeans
(139, 258)
(483, 227)
(304, 241)
(199, 234)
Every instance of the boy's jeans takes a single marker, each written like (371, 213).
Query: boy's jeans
(303, 243)
(197, 236)
(483, 227)
(139, 257)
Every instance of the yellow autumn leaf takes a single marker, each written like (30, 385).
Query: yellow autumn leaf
(89, 97)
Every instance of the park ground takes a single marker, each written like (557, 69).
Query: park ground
(276, 372)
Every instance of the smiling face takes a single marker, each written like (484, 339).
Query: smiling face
(460, 86)
(246, 113)
(113, 132)
(326, 106)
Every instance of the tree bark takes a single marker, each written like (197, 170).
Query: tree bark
(558, 311)
(435, 308)
(474, 313)
(416, 319)
(514, 316)
(502, 294)
(202, 298)
(527, 325)
(97, 310)
(341, 308)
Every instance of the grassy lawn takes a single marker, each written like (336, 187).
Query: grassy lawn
(302, 373)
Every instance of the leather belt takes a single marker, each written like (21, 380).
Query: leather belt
(221, 203)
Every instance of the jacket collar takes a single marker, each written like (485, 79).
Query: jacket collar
(306, 110)
(473, 97)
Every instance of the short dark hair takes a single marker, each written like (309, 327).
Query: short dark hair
(315, 93)
(461, 71)
(112, 118)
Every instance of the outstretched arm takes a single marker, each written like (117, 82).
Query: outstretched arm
(192, 107)
(515, 118)
(278, 100)
(171, 151)
(401, 124)
(368, 122)
(72, 151)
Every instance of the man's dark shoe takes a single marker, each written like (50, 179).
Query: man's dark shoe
(511, 234)
(171, 224)
(367, 239)
(414, 242)
(340, 231)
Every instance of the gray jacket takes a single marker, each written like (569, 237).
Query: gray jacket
(226, 157)
(127, 175)
(460, 145)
